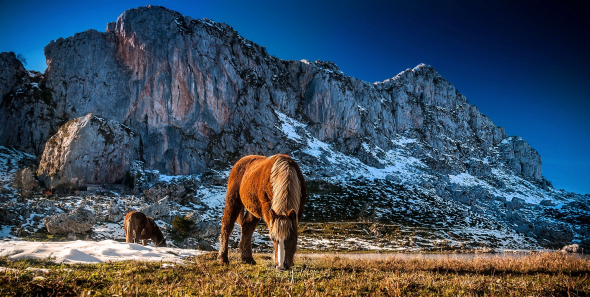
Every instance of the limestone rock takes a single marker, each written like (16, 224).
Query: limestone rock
(522, 158)
(515, 204)
(25, 181)
(78, 221)
(552, 234)
(86, 150)
(572, 248)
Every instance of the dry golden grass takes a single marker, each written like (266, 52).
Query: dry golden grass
(546, 274)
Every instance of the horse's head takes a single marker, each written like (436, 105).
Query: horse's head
(157, 236)
(283, 233)
(161, 243)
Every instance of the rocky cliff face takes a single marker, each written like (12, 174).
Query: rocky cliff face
(194, 91)
(11, 71)
(197, 96)
(27, 112)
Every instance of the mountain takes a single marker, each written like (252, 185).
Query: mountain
(196, 96)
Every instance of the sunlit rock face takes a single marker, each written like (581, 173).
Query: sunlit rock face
(86, 150)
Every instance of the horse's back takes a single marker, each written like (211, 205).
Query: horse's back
(255, 182)
(135, 216)
(245, 164)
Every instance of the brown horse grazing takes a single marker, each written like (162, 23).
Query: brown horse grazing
(269, 188)
(139, 226)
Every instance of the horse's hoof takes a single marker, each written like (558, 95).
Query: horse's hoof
(249, 261)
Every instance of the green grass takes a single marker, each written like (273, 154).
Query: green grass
(546, 274)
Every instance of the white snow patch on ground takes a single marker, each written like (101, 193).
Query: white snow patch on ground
(289, 127)
(523, 189)
(520, 188)
(167, 178)
(73, 252)
(396, 161)
(468, 180)
(214, 197)
(110, 231)
(5, 230)
(402, 140)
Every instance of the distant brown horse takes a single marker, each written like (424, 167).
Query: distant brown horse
(139, 226)
(270, 188)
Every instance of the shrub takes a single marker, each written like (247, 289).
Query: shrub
(183, 225)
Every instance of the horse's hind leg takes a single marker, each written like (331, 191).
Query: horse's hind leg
(233, 207)
(249, 223)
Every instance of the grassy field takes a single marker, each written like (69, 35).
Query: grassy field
(545, 274)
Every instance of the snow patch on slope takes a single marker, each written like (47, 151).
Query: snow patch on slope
(396, 162)
(86, 252)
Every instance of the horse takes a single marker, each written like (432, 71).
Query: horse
(272, 189)
(139, 226)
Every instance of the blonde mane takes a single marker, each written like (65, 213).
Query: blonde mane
(286, 189)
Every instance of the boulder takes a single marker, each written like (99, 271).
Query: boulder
(25, 181)
(572, 248)
(86, 150)
(78, 221)
(137, 179)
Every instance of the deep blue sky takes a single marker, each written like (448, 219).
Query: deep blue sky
(525, 65)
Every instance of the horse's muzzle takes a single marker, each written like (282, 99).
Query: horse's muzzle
(282, 268)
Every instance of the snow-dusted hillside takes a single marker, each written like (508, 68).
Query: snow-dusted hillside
(401, 206)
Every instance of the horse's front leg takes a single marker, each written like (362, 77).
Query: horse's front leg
(143, 242)
(233, 207)
(249, 224)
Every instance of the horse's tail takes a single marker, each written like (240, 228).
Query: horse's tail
(286, 187)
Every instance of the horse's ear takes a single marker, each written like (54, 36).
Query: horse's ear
(292, 215)
(273, 215)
